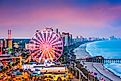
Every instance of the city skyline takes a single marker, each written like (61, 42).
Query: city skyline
(79, 17)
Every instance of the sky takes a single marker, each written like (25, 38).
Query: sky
(88, 18)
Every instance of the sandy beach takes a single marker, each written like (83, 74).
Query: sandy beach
(98, 68)
(81, 52)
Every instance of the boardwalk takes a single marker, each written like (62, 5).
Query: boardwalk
(90, 68)
(101, 71)
(100, 68)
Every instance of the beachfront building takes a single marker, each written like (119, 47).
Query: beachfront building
(67, 39)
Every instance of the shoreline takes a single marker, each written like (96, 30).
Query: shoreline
(111, 71)
(81, 52)
(103, 65)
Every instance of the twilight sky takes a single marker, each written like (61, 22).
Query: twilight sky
(89, 18)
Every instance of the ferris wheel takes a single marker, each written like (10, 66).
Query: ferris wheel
(48, 45)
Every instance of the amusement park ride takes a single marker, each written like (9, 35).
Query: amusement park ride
(46, 47)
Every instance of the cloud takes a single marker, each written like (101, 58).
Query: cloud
(96, 17)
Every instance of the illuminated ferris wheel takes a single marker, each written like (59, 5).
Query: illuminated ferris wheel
(48, 45)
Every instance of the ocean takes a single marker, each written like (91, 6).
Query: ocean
(108, 49)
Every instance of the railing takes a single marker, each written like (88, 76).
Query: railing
(104, 61)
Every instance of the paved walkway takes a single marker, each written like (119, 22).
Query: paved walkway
(101, 71)
(92, 69)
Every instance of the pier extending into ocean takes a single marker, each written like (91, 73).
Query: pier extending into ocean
(104, 61)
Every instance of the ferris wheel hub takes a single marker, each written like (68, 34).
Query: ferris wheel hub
(45, 46)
